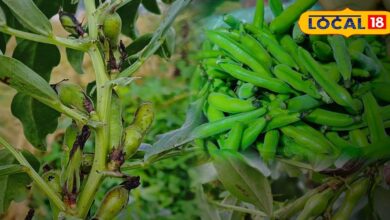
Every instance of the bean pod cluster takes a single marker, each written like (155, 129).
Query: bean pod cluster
(310, 98)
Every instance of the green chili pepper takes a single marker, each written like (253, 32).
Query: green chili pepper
(283, 22)
(381, 90)
(361, 73)
(332, 71)
(252, 132)
(217, 127)
(269, 83)
(233, 140)
(228, 104)
(330, 118)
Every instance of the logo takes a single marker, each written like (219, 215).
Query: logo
(345, 22)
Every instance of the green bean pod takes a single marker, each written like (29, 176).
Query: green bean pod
(292, 48)
(381, 90)
(256, 48)
(339, 94)
(292, 149)
(277, 51)
(271, 140)
(73, 96)
(232, 21)
(358, 45)
(205, 54)
(269, 83)
(322, 51)
(358, 138)
(237, 51)
(305, 139)
(217, 127)
(276, 7)
(343, 145)
(329, 118)
(283, 22)
(333, 72)
(258, 19)
(316, 205)
(112, 28)
(214, 114)
(216, 73)
(228, 104)
(365, 62)
(303, 103)
(342, 57)
(360, 73)
(133, 137)
(233, 140)
(373, 117)
(144, 116)
(116, 126)
(282, 120)
(252, 132)
(116, 199)
(353, 195)
(246, 90)
(297, 34)
(295, 80)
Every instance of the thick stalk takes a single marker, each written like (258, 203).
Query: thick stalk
(34, 175)
(59, 41)
(104, 92)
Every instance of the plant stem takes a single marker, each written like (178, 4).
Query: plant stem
(34, 175)
(59, 41)
(238, 209)
(158, 157)
(104, 92)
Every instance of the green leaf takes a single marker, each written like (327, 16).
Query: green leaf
(138, 44)
(242, 180)
(152, 6)
(14, 187)
(9, 169)
(41, 58)
(168, 47)
(29, 15)
(25, 80)
(3, 20)
(129, 14)
(38, 119)
(75, 58)
(207, 211)
(3, 42)
(50, 8)
(182, 135)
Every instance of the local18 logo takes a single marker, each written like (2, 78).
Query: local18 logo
(345, 22)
